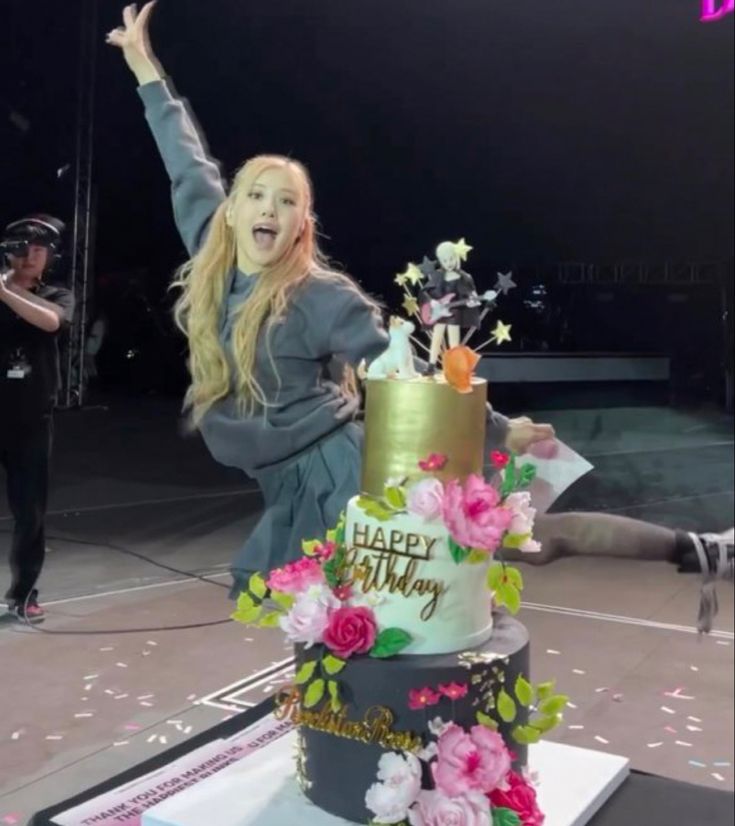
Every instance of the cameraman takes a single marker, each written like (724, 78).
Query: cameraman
(32, 314)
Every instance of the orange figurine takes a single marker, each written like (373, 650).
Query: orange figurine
(458, 364)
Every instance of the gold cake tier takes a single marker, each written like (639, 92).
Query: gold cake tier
(406, 421)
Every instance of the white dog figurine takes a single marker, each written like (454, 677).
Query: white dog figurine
(397, 360)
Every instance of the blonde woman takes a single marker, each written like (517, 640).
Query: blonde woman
(266, 318)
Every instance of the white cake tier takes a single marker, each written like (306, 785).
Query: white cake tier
(405, 563)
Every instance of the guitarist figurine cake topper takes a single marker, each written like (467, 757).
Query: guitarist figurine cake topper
(449, 301)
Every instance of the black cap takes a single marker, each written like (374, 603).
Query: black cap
(41, 229)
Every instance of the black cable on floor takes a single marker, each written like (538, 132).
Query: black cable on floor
(128, 552)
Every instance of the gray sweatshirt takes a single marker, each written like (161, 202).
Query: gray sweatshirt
(326, 319)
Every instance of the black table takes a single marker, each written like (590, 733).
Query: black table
(642, 800)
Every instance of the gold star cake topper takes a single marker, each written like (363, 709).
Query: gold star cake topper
(501, 333)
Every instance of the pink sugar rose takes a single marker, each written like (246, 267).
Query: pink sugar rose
(399, 786)
(308, 618)
(474, 761)
(434, 809)
(523, 519)
(296, 577)
(425, 499)
(474, 515)
(521, 798)
(351, 630)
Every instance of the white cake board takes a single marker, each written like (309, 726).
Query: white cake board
(574, 784)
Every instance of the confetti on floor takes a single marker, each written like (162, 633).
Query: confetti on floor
(683, 743)
(191, 697)
(693, 728)
(121, 665)
(146, 704)
(146, 696)
(16, 734)
(84, 714)
(722, 642)
(132, 727)
(697, 764)
(121, 696)
(718, 776)
(670, 730)
(677, 695)
(90, 677)
(578, 671)
(548, 651)
(54, 737)
(108, 648)
(654, 745)
(571, 705)
(722, 764)
(668, 710)
(150, 642)
(618, 698)
(694, 719)
(11, 819)
(601, 690)
(575, 728)
(602, 740)
(121, 743)
(693, 668)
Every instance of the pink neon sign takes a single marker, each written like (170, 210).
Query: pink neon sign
(716, 9)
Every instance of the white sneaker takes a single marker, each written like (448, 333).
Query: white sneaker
(716, 555)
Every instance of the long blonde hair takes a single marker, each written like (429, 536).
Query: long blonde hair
(203, 281)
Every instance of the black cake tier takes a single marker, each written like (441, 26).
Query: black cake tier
(337, 770)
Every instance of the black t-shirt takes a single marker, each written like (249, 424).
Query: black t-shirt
(29, 361)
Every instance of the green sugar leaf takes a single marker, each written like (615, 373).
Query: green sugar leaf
(332, 665)
(389, 642)
(554, 705)
(270, 620)
(257, 586)
(284, 601)
(505, 817)
(524, 691)
(506, 706)
(546, 724)
(396, 498)
(459, 552)
(495, 576)
(526, 735)
(306, 672)
(545, 690)
(374, 508)
(314, 693)
(485, 720)
(334, 700)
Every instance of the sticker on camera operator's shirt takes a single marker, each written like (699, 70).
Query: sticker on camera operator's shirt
(17, 372)
(19, 368)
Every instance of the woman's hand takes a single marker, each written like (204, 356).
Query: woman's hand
(134, 40)
(522, 433)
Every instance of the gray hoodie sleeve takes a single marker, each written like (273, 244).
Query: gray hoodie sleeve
(496, 430)
(196, 182)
